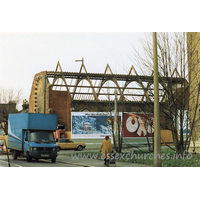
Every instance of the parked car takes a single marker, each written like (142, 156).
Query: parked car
(65, 143)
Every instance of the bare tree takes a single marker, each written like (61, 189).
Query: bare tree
(7, 95)
(9, 101)
(175, 95)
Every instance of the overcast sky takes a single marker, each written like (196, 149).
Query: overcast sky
(25, 54)
(35, 36)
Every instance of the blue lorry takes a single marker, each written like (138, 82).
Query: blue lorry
(31, 135)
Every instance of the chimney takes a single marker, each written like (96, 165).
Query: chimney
(25, 104)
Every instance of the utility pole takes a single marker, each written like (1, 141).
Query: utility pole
(7, 152)
(115, 122)
(157, 144)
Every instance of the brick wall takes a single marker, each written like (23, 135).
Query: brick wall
(60, 104)
(36, 99)
(57, 102)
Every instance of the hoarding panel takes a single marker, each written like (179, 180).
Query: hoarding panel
(91, 124)
(138, 125)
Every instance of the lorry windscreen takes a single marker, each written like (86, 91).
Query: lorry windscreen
(42, 136)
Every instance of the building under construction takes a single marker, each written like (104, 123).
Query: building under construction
(61, 92)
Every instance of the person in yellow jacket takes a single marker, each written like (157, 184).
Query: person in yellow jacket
(106, 148)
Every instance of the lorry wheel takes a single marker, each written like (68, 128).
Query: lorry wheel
(79, 148)
(28, 157)
(15, 155)
(53, 160)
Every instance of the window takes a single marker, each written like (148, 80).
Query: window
(26, 136)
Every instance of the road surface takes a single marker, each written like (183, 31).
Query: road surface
(61, 161)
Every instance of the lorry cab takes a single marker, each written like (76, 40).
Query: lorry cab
(39, 144)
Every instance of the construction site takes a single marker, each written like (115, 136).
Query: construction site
(66, 93)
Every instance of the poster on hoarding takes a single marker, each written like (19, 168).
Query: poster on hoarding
(91, 124)
(138, 125)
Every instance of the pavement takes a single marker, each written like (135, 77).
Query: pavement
(66, 157)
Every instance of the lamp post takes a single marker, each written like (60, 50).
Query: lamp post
(116, 123)
(157, 144)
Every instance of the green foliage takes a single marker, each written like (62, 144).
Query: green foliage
(169, 158)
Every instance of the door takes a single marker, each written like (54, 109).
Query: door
(26, 142)
(70, 144)
(62, 144)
